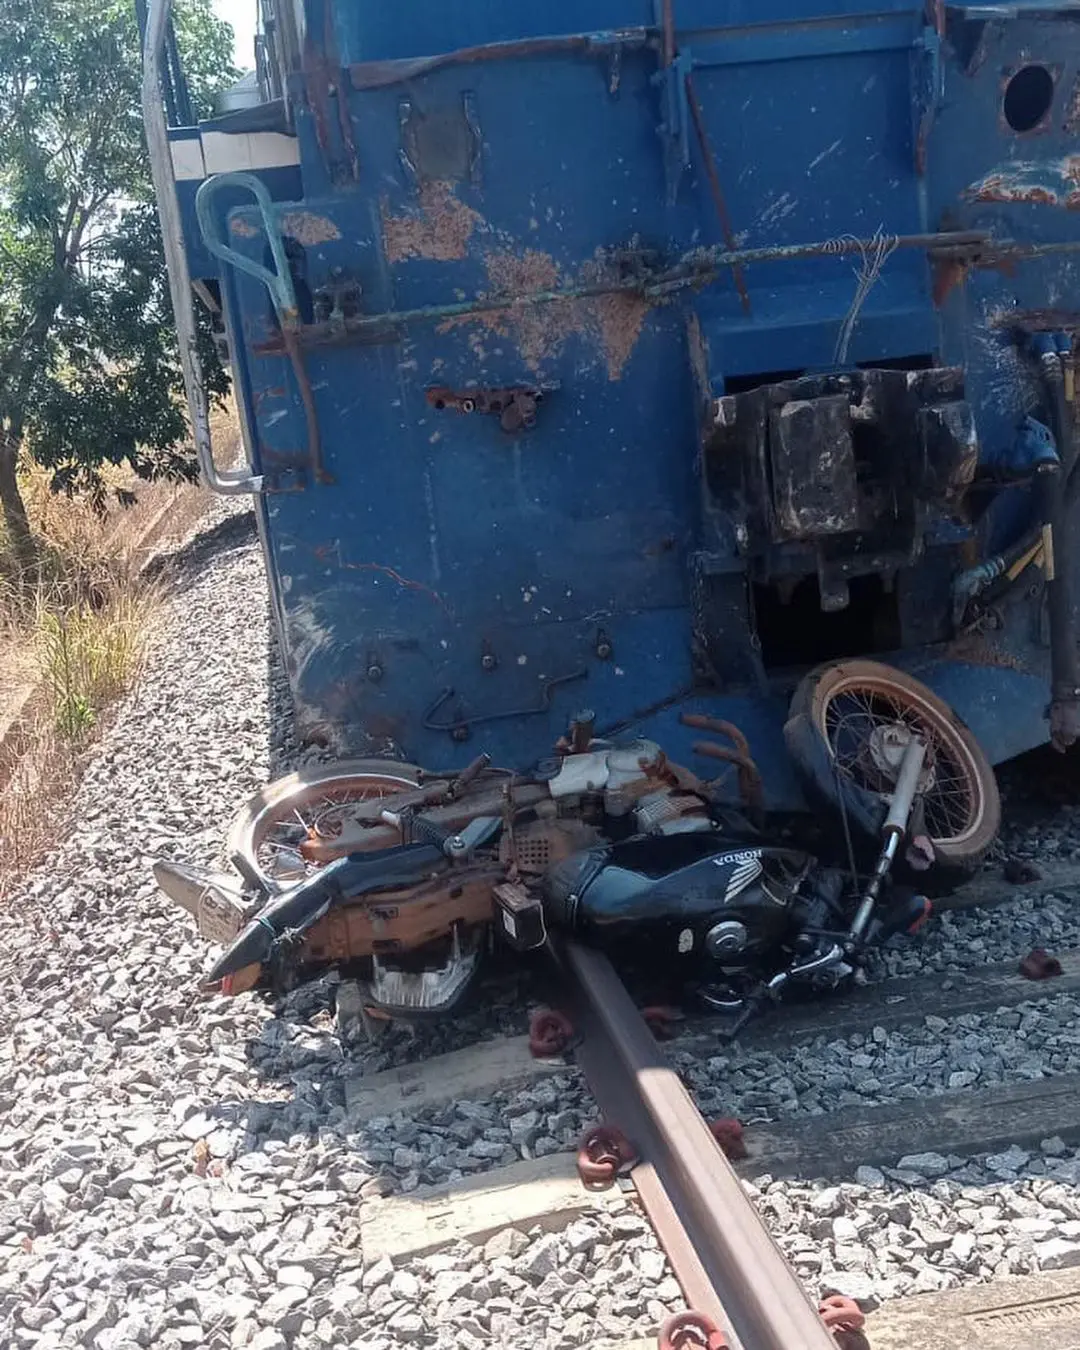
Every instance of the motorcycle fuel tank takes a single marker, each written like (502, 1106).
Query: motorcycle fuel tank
(683, 894)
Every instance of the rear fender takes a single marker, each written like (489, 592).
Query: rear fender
(213, 899)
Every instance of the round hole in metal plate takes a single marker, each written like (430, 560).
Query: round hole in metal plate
(1028, 97)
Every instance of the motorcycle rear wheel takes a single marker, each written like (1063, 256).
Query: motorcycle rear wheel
(314, 800)
(859, 713)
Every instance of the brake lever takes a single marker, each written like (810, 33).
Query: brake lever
(477, 833)
(769, 993)
(832, 957)
(754, 1004)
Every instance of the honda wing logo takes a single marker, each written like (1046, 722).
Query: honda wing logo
(747, 866)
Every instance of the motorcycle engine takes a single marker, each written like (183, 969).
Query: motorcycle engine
(629, 783)
(695, 895)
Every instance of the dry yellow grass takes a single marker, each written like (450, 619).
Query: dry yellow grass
(36, 787)
(84, 659)
(71, 645)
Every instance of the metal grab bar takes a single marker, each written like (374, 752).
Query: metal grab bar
(231, 482)
(279, 282)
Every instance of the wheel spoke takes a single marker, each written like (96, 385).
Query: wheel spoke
(321, 810)
(856, 712)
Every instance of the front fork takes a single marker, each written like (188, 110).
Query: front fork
(866, 921)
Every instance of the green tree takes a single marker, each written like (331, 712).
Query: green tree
(88, 367)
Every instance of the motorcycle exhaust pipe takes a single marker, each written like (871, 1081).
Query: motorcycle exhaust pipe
(893, 831)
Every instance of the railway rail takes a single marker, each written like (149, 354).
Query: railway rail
(740, 1290)
(733, 1275)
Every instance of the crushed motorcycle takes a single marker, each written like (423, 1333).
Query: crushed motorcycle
(405, 879)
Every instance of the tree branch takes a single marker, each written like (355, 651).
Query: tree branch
(62, 235)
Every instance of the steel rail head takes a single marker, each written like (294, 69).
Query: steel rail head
(762, 1297)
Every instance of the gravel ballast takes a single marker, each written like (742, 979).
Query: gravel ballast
(178, 1171)
(932, 1222)
(447, 1143)
(956, 940)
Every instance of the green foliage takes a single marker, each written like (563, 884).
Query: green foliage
(125, 406)
(88, 368)
(87, 656)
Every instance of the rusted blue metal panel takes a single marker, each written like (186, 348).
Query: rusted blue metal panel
(567, 277)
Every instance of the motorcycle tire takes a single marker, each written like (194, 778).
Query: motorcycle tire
(302, 792)
(960, 803)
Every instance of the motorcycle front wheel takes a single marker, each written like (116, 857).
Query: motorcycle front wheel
(849, 725)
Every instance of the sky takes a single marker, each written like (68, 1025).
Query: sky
(241, 14)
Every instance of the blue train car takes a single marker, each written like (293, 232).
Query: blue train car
(642, 355)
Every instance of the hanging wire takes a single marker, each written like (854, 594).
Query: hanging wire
(847, 826)
(873, 255)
